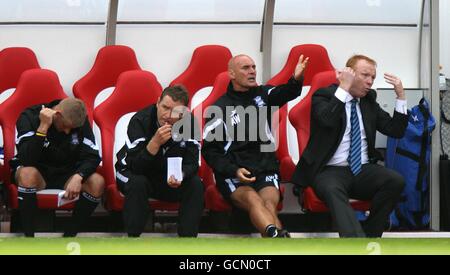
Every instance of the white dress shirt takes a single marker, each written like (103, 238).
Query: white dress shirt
(341, 155)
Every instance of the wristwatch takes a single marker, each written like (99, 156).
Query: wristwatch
(82, 175)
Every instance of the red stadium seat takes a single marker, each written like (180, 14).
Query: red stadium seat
(13, 62)
(300, 117)
(134, 91)
(319, 61)
(219, 88)
(206, 63)
(35, 86)
(49, 199)
(213, 199)
(110, 62)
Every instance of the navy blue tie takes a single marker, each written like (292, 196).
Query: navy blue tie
(354, 156)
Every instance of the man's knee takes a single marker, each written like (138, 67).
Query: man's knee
(250, 199)
(96, 185)
(395, 181)
(330, 190)
(136, 185)
(195, 184)
(271, 204)
(271, 197)
(28, 177)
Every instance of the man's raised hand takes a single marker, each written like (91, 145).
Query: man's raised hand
(397, 83)
(301, 66)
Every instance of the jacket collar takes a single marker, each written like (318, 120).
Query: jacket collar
(240, 95)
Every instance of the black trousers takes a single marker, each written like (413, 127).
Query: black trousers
(138, 189)
(382, 186)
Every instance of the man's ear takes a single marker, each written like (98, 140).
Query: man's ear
(58, 115)
(231, 74)
(57, 112)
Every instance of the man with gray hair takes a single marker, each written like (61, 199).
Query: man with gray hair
(56, 150)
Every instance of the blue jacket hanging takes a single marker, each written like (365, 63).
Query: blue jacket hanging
(410, 156)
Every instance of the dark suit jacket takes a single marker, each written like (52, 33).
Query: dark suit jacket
(328, 123)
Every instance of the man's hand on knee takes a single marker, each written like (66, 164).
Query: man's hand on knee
(173, 182)
(245, 176)
(73, 187)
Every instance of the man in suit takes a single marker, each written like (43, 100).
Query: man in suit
(339, 160)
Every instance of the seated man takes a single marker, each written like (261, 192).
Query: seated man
(339, 158)
(56, 150)
(238, 145)
(142, 165)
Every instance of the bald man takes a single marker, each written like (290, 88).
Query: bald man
(238, 138)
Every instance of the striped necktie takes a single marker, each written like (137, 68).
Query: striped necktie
(354, 156)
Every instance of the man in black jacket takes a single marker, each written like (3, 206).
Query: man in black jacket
(338, 161)
(237, 143)
(56, 150)
(142, 164)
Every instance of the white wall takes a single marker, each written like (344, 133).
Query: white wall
(196, 10)
(444, 25)
(398, 53)
(53, 10)
(395, 49)
(348, 11)
(166, 50)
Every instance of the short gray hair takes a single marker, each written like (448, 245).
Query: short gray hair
(74, 110)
